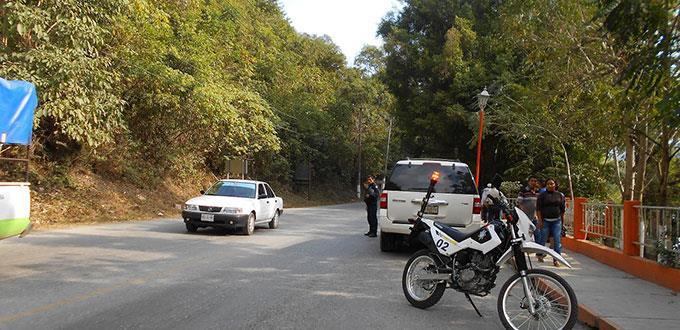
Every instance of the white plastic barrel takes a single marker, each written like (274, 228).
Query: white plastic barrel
(15, 208)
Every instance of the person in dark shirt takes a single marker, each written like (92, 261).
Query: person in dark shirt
(550, 207)
(371, 200)
(526, 201)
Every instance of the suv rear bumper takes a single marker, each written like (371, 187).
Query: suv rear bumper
(400, 228)
(387, 226)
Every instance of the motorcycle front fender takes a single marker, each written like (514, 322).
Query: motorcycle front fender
(531, 247)
(425, 238)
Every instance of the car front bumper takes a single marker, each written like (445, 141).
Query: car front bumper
(221, 220)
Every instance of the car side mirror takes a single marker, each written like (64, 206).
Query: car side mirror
(263, 196)
(202, 192)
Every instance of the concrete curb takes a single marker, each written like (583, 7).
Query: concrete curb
(593, 319)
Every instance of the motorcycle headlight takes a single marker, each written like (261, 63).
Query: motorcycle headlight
(232, 210)
(190, 207)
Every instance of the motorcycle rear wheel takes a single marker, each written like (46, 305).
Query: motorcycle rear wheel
(419, 293)
(554, 301)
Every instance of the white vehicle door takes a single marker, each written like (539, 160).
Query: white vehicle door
(273, 201)
(452, 201)
(262, 203)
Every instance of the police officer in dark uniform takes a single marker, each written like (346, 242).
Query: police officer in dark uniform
(371, 200)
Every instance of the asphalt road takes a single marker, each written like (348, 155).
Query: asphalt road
(317, 271)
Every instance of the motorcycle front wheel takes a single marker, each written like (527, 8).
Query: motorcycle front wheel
(421, 293)
(554, 302)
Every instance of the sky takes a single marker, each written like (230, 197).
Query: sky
(351, 24)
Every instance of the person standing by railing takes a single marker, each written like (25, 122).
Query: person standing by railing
(550, 207)
(526, 201)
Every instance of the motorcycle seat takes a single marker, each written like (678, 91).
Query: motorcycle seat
(454, 233)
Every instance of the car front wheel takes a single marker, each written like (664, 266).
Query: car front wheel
(191, 228)
(249, 228)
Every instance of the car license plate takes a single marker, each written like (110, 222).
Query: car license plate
(432, 209)
(207, 217)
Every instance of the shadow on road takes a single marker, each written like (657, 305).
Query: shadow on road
(316, 271)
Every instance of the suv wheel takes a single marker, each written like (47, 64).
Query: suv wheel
(191, 228)
(387, 242)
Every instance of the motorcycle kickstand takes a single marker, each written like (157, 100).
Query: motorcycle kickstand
(473, 305)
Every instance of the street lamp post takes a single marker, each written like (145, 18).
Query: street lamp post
(482, 98)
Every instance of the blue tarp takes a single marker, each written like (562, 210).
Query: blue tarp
(18, 101)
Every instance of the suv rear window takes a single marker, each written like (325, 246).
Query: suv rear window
(453, 180)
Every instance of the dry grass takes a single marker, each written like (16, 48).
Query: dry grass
(91, 198)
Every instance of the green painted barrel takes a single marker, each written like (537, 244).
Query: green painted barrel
(15, 208)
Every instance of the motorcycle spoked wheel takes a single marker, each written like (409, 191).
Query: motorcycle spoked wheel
(555, 302)
(421, 293)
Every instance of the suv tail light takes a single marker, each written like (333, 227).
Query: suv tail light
(383, 200)
(477, 206)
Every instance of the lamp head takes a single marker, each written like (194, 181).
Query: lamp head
(483, 98)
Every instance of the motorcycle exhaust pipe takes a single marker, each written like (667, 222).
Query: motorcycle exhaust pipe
(433, 277)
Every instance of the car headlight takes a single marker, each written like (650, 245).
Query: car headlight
(190, 207)
(232, 210)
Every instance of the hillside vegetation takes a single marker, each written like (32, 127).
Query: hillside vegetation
(152, 97)
(148, 92)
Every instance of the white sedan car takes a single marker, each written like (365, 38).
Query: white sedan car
(239, 204)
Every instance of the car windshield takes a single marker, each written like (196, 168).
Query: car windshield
(232, 189)
(454, 179)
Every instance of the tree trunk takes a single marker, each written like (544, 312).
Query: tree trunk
(4, 38)
(668, 130)
(566, 159)
(630, 167)
(642, 157)
(664, 164)
(618, 170)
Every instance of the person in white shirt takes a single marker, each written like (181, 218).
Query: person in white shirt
(490, 211)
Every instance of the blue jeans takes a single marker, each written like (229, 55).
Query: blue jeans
(537, 233)
(554, 227)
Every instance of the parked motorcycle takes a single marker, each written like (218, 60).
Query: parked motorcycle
(469, 263)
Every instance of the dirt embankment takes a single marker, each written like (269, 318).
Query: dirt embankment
(90, 198)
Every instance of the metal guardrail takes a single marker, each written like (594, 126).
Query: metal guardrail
(604, 221)
(659, 228)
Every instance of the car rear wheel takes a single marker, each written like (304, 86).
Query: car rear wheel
(191, 228)
(274, 223)
(249, 228)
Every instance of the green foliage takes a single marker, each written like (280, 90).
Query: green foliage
(435, 65)
(149, 88)
(63, 47)
(569, 79)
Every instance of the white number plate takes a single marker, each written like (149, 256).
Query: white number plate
(432, 209)
(207, 217)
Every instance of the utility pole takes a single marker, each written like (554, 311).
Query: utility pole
(361, 114)
(482, 99)
(387, 153)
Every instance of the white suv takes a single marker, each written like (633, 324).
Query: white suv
(455, 200)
